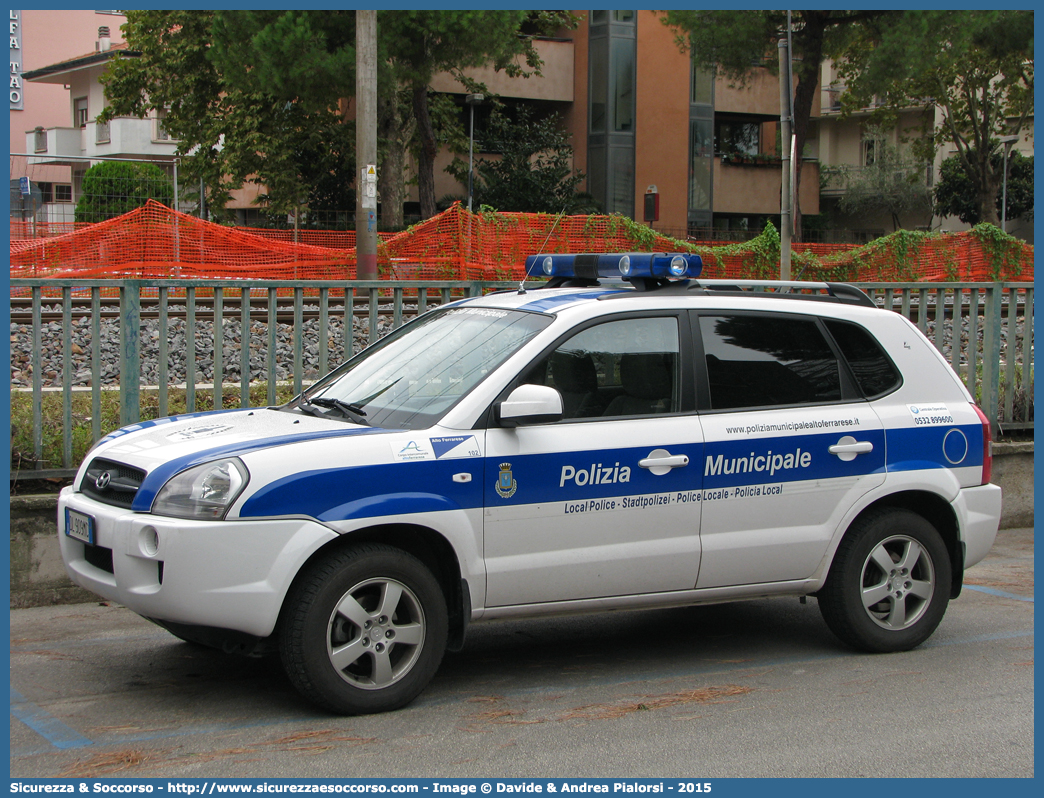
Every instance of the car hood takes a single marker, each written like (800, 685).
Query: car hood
(199, 437)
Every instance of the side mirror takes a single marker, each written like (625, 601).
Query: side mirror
(530, 404)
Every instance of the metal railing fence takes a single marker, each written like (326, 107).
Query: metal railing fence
(984, 330)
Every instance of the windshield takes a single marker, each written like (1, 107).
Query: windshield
(411, 378)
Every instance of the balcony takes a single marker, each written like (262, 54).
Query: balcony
(742, 188)
(836, 180)
(554, 83)
(120, 138)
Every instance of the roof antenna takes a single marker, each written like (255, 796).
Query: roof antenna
(522, 285)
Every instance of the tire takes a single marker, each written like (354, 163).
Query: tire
(889, 584)
(364, 630)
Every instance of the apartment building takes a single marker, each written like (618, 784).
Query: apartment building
(37, 39)
(856, 143)
(643, 120)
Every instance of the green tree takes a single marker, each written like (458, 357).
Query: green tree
(534, 171)
(895, 183)
(739, 43)
(975, 68)
(229, 128)
(957, 195)
(258, 95)
(422, 44)
(112, 188)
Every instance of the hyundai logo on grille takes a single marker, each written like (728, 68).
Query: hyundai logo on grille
(102, 482)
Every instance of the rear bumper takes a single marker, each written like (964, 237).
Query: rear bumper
(978, 512)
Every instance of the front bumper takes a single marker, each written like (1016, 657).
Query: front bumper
(225, 574)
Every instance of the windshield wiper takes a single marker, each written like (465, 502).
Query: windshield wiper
(350, 411)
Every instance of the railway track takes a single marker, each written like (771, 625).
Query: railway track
(231, 309)
(22, 308)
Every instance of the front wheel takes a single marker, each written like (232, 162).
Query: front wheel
(889, 583)
(364, 630)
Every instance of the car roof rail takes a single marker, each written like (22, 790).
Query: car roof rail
(792, 289)
(774, 289)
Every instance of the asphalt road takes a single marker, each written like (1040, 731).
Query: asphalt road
(751, 689)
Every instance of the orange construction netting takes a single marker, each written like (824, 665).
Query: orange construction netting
(155, 242)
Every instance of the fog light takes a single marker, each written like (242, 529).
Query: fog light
(148, 541)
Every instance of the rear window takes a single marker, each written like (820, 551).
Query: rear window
(874, 372)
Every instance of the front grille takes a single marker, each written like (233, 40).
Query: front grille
(99, 557)
(112, 483)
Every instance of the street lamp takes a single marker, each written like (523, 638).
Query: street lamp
(1007, 141)
(472, 100)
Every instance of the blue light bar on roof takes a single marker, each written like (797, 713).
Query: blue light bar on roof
(625, 265)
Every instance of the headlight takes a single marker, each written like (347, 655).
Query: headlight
(203, 493)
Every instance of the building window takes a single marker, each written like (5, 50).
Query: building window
(80, 112)
(54, 192)
(737, 137)
(701, 82)
(623, 88)
(160, 133)
(599, 85)
(701, 147)
(700, 165)
(871, 149)
(612, 58)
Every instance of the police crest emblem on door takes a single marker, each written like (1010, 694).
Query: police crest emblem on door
(506, 485)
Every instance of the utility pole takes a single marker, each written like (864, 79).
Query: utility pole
(785, 213)
(366, 144)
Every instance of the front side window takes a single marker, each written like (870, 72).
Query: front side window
(628, 367)
(766, 361)
(411, 378)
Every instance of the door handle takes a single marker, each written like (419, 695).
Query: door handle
(660, 461)
(848, 447)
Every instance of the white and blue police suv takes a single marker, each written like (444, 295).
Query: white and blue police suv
(573, 448)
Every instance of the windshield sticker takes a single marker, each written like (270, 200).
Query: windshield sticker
(928, 415)
(455, 446)
(412, 450)
(493, 314)
(192, 433)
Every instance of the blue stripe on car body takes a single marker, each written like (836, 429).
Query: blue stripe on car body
(920, 448)
(553, 302)
(158, 477)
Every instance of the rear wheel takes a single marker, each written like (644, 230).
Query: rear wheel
(889, 584)
(364, 630)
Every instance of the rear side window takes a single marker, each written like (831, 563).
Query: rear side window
(765, 361)
(874, 372)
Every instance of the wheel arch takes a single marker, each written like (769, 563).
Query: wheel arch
(428, 546)
(939, 513)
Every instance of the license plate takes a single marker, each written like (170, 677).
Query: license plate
(79, 526)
